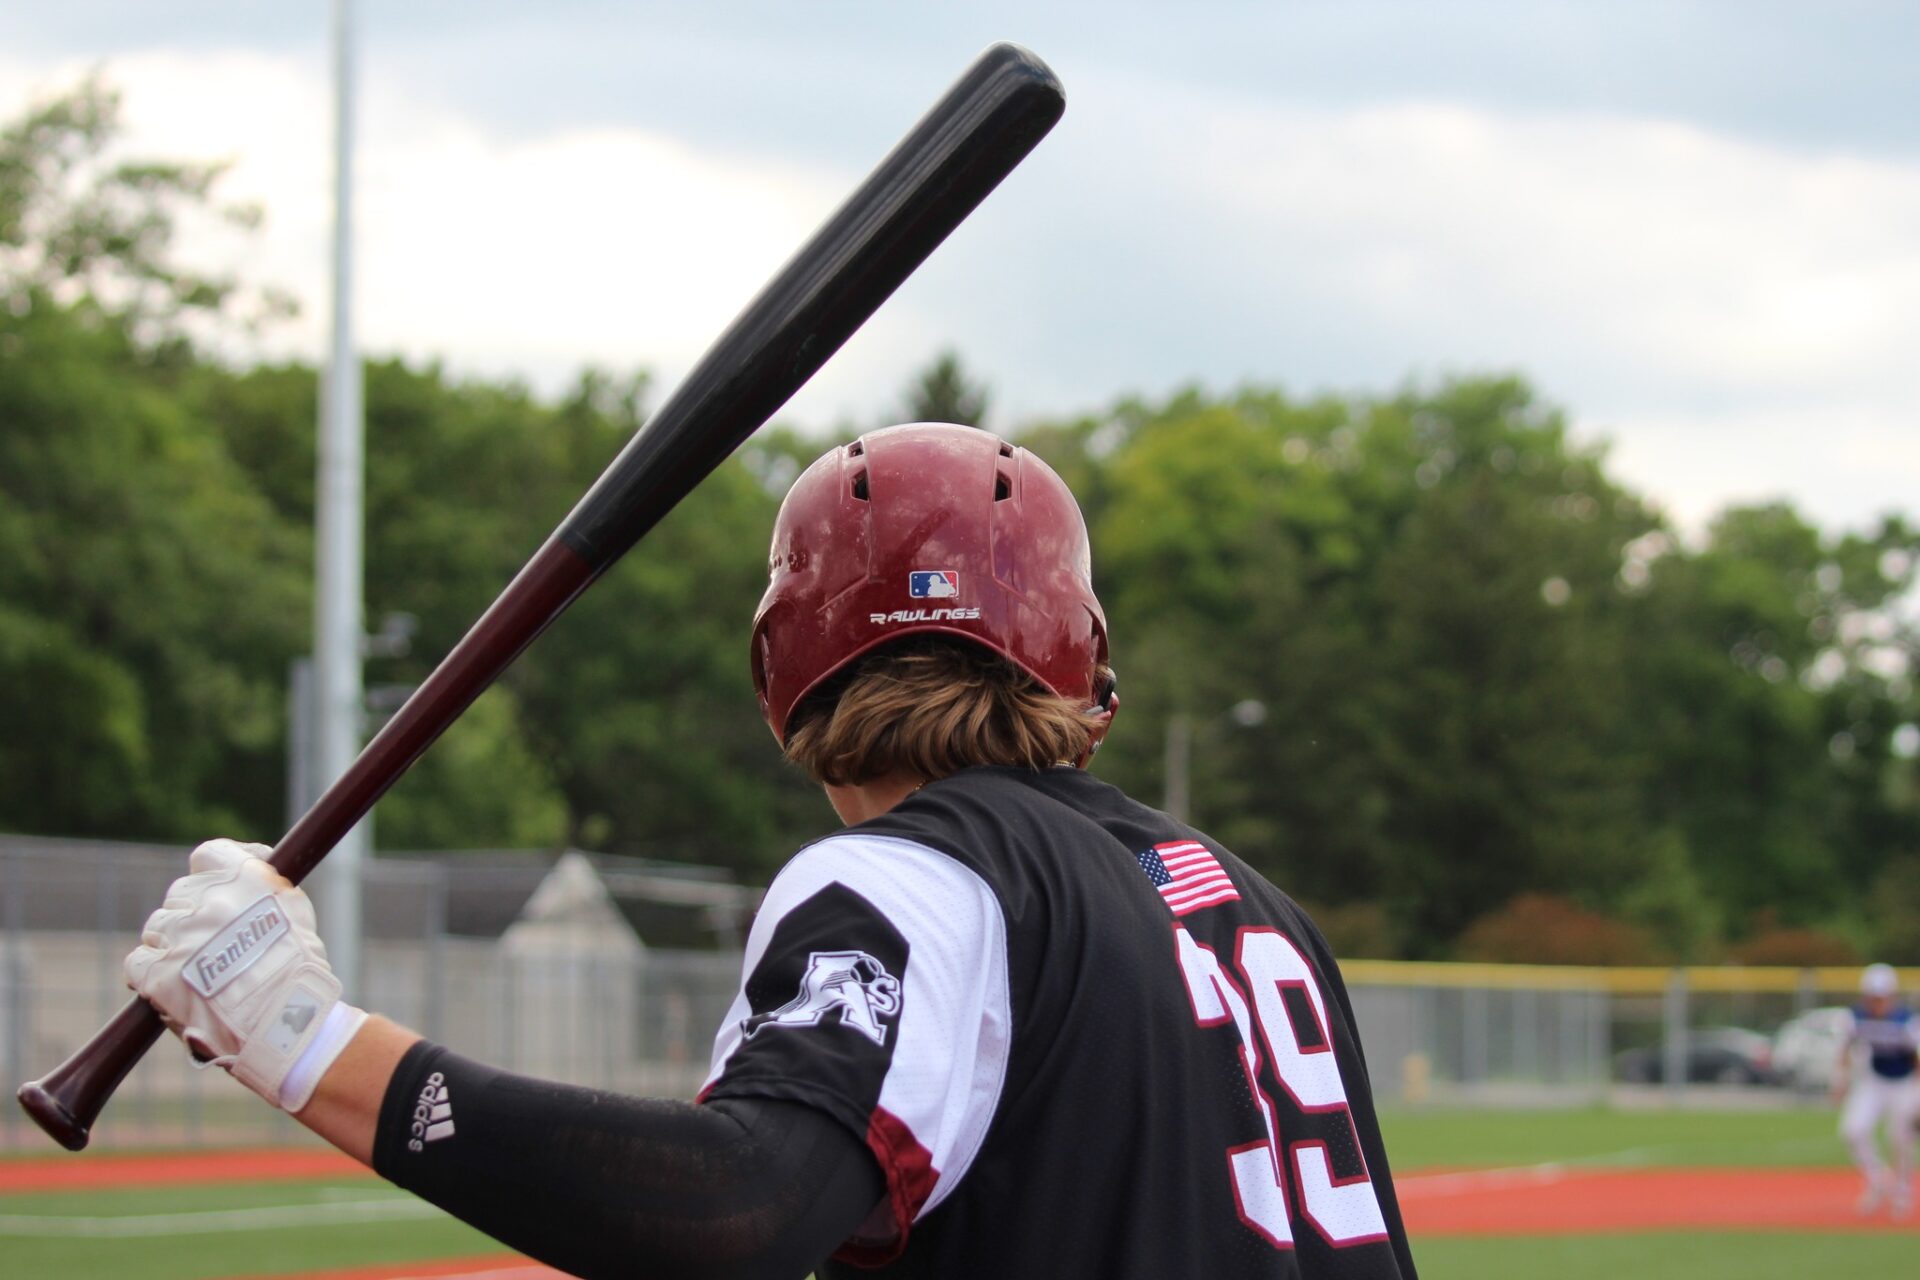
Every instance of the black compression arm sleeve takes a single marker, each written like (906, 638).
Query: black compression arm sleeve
(604, 1185)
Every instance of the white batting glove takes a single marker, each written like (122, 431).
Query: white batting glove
(232, 962)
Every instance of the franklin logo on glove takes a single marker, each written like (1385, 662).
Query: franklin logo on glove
(229, 953)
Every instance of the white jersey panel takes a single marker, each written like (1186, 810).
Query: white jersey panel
(955, 1025)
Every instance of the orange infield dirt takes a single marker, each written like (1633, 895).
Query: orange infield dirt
(1549, 1201)
(491, 1267)
(108, 1172)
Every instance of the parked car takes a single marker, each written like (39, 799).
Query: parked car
(1715, 1055)
(1806, 1049)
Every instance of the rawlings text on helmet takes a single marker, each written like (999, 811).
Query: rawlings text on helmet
(924, 615)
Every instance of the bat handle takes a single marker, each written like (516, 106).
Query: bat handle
(67, 1100)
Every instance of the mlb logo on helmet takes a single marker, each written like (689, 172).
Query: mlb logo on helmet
(933, 584)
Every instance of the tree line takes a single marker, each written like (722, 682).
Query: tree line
(1504, 709)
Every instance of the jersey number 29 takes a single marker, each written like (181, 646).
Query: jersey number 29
(1343, 1212)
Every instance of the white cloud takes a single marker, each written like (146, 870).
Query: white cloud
(610, 246)
(1658, 246)
(1738, 317)
(263, 116)
(530, 257)
(1837, 460)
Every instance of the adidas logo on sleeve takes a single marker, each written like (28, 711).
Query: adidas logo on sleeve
(432, 1114)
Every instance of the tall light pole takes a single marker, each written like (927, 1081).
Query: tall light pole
(337, 606)
(1179, 757)
(1248, 713)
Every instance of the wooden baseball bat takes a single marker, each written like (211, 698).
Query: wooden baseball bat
(960, 150)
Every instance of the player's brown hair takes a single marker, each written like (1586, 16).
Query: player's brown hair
(931, 706)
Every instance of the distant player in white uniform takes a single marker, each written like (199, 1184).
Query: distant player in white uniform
(1877, 1073)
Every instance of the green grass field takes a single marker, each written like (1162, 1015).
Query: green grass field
(1439, 1139)
(201, 1232)
(161, 1234)
(1669, 1255)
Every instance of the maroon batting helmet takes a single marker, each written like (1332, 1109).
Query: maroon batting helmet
(926, 528)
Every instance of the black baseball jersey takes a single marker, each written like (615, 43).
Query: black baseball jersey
(1079, 1038)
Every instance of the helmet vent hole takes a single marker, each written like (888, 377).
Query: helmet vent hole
(1002, 487)
(860, 485)
(1006, 450)
(855, 449)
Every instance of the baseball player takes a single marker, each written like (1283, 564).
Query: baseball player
(1877, 1075)
(1008, 1022)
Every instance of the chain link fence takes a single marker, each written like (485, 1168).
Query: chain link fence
(448, 951)
(1521, 1035)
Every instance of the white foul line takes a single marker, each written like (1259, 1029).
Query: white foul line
(385, 1209)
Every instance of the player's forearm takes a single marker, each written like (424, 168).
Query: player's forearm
(602, 1184)
(345, 1109)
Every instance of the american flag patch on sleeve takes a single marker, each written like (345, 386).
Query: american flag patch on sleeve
(1187, 875)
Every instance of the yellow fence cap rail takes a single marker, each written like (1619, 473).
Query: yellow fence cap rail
(1831, 984)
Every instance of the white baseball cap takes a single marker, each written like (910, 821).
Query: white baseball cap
(1879, 980)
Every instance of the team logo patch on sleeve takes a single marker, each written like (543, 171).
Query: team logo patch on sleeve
(852, 982)
(1187, 875)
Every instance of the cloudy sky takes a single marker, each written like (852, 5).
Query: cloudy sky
(1695, 225)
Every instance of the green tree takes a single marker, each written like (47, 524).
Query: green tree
(1895, 911)
(1421, 590)
(1507, 760)
(148, 597)
(1222, 547)
(1667, 898)
(77, 223)
(1768, 697)
(943, 392)
(480, 786)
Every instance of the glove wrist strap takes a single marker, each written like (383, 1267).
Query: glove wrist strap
(342, 1023)
(295, 1014)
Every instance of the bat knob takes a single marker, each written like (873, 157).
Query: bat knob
(52, 1115)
